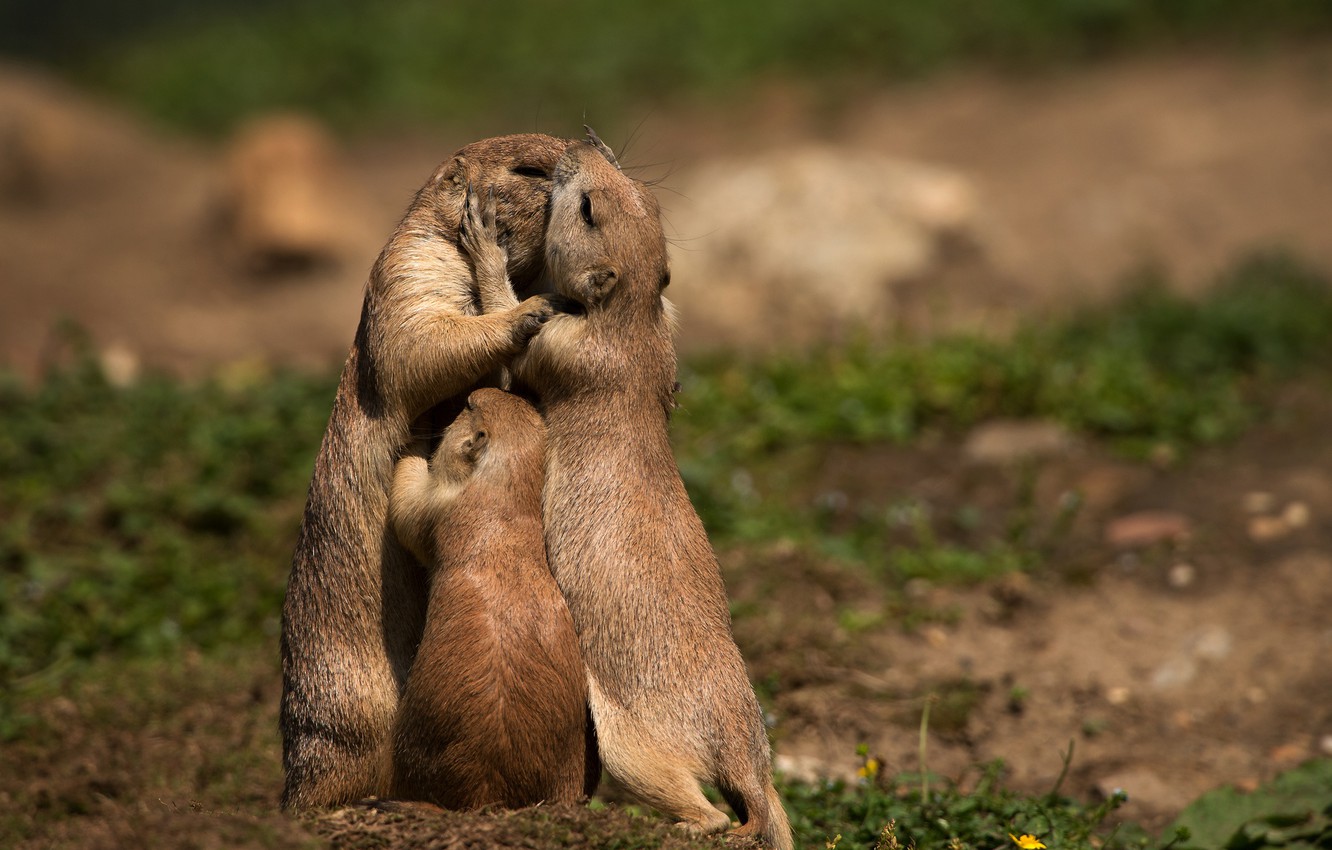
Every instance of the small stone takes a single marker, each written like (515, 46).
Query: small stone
(1258, 502)
(1181, 576)
(935, 636)
(1145, 528)
(1263, 529)
(1212, 643)
(1007, 441)
(1289, 753)
(1174, 673)
(1296, 515)
(120, 365)
(1325, 744)
(1117, 695)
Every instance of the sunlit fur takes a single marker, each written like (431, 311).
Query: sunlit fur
(670, 697)
(355, 605)
(495, 710)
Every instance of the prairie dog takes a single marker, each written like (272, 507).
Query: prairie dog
(356, 599)
(495, 709)
(670, 698)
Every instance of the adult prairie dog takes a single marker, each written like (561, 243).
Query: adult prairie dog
(495, 709)
(356, 599)
(670, 698)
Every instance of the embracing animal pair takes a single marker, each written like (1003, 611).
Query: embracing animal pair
(426, 653)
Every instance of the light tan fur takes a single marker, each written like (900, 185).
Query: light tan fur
(356, 599)
(495, 709)
(670, 697)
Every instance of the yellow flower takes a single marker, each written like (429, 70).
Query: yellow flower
(1027, 842)
(832, 845)
(869, 769)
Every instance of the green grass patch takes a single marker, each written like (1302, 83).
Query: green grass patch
(204, 65)
(1156, 371)
(138, 521)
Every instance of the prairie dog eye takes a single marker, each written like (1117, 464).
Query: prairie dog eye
(585, 210)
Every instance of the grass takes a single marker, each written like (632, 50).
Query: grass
(140, 520)
(203, 66)
(1156, 374)
(145, 532)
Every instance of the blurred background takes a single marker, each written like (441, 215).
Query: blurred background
(203, 182)
(1006, 366)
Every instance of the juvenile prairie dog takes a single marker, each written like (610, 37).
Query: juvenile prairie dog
(356, 599)
(670, 698)
(495, 710)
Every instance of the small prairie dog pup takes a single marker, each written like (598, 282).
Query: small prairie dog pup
(495, 710)
(670, 698)
(356, 599)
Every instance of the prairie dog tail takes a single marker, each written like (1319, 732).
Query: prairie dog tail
(765, 818)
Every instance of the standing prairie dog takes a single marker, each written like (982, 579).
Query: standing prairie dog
(495, 709)
(356, 599)
(670, 698)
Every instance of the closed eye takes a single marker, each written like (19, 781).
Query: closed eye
(585, 210)
(531, 171)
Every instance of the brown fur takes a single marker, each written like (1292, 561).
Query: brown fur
(670, 697)
(355, 605)
(495, 710)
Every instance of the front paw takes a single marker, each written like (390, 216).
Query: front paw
(533, 313)
(478, 233)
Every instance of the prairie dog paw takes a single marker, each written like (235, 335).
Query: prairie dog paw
(478, 233)
(532, 314)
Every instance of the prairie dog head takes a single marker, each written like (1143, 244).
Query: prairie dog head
(604, 243)
(518, 169)
(496, 433)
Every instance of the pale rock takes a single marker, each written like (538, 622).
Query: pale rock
(1263, 529)
(1146, 528)
(800, 244)
(1008, 441)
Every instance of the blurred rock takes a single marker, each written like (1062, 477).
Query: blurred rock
(1181, 576)
(1296, 515)
(1147, 528)
(1007, 441)
(797, 245)
(1266, 528)
(286, 198)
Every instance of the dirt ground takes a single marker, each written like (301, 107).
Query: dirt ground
(1191, 657)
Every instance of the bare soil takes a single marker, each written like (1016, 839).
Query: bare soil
(1173, 667)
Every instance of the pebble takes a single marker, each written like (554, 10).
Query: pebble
(1007, 441)
(1289, 753)
(1296, 515)
(1266, 528)
(1181, 576)
(1325, 744)
(1146, 528)
(1117, 695)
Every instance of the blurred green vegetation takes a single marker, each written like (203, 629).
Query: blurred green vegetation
(204, 65)
(1158, 372)
(136, 521)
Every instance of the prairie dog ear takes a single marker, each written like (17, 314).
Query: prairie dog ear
(475, 446)
(453, 170)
